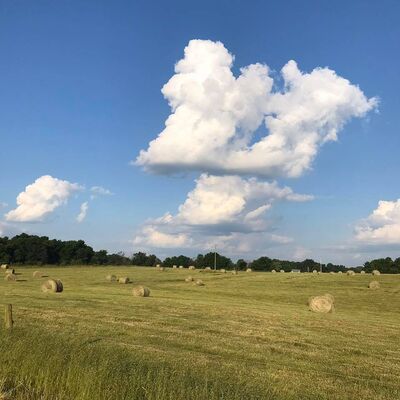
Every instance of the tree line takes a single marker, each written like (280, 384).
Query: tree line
(40, 250)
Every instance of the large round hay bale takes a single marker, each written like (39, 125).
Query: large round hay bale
(189, 279)
(4, 266)
(181, 267)
(249, 270)
(207, 269)
(330, 297)
(10, 277)
(124, 280)
(111, 278)
(37, 274)
(362, 272)
(223, 271)
(52, 286)
(321, 304)
(374, 285)
(174, 266)
(199, 282)
(141, 291)
(158, 266)
(234, 272)
(10, 271)
(273, 271)
(191, 267)
(376, 272)
(332, 272)
(340, 272)
(314, 271)
(350, 272)
(282, 271)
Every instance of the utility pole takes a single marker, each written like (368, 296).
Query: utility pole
(215, 258)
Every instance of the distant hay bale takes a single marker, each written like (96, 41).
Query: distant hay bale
(340, 272)
(52, 286)
(174, 266)
(189, 279)
(249, 270)
(191, 267)
(207, 269)
(123, 280)
(161, 269)
(10, 277)
(321, 304)
(199, 282)
(350, 272)
(158, 266)
(37, 274)
(332, 272)
(234, 272)
(374, 285)
(141, 291)
(181, 267)
(362, 272)
(314, 271)
(282, 271)
(4, 266)
(222, 271)
(376, 272)
(273, 271)
(111, 278)
(10, 271)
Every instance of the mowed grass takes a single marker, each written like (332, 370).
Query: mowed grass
(248, 336)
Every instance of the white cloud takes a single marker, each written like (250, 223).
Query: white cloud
(221, 210)
(7, 229)
(382, 227)
(215, 116)
(83, 211)
(99, 191)
(3, 204)
(41, 198)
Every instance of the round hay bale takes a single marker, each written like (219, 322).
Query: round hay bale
(362, 272)
(199, 282)
(10, 277)
(141, 291)
(181, 267)
(158, 266)
(189, 279)
(321, 304)
(4, 266)
(273, 271)
(234, 272)
(340, 272)
(10, 271)
(207, 269)
(374, 285)
(161, 269)
(376, 272)
(37, 274)
(314, 271)
(124, 280)
(223, 271)
(111, 278)
(249, 270)
(330, 297)
(282, 271)
(332, 272)
(52, 286)
(191, 267)
(174, 266)
(350, 273)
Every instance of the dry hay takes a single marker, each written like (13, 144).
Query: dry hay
(314, 271)
(273, 271)
(181, 267)
(111, 278)
(322, 304)
(124, 280)
(374, 285)
(52, 286)
(332, 272)
(141, 291)
(350, 273)
(189, 279)
(282, 271)
(158, 266)
(222, 271)
(37, 274)
(362, 272)
(249, 270)
(10, 277)
(161, 269)
(199, 282)
(191, 267)
(207, 269)
(234, 272)
(10, 271)
(174, 266)
(340, 272)
(375, 272)
(4, 266)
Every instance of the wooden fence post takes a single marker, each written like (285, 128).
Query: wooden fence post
(8, 316)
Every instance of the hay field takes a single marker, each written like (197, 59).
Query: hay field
(245, 336)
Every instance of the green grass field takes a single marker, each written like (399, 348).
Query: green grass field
(248, 336)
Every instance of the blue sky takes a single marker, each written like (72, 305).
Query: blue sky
(81, 96)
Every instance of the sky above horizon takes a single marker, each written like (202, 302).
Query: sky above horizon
(262, 128)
